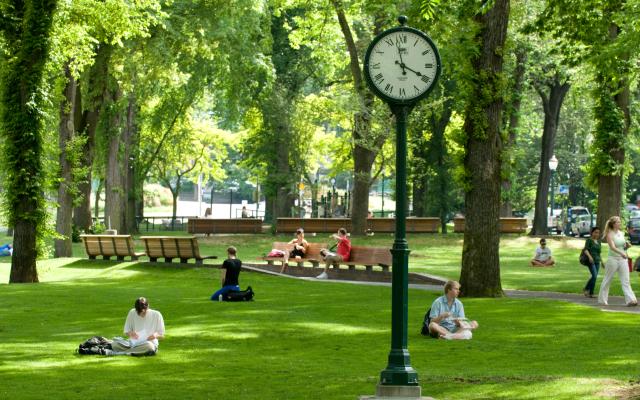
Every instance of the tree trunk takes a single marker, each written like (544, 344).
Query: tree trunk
(25, 33)
(62, 247)
(506, 209)
(365, 148)
(96, 204)
(131, 148)
(610, 194)
(480, 275)
(551, 105)
(96, 84)
(114, 189)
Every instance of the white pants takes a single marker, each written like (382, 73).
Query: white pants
(621, 266)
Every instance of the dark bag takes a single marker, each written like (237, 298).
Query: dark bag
(636, 266)
(94, 345)
(584, 258)
(425, 323)
(241, 295)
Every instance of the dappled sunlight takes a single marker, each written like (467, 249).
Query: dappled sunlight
(327, 327)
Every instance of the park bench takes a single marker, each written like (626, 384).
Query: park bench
(328, 225)
(507, 225)
(224, 225)
(413, 224)
(312, 255)
(170, 247)
(107, 246)
(369, 257)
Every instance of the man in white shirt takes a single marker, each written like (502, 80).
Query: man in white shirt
(143, 327)
(542, 257)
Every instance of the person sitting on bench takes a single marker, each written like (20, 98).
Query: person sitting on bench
(343, 252)
(229, 274)
(143, 327)
(447, 315)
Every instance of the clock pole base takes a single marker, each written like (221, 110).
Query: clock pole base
(397, 392)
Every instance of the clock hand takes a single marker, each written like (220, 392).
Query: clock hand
(415, 72)
(401, 61)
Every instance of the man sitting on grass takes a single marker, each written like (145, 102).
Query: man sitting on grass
(143, 327)
(542, 258)
(229, 274)
(447, 315)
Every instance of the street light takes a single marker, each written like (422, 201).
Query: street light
(383, 194)
(553, 165)
(333, 194)
(315, 180)
(231, 189)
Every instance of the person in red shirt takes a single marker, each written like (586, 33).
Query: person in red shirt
(343, 251)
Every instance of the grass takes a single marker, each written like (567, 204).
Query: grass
(307, 339)
(298, 340)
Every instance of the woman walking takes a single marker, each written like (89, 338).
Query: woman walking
(592, 250)
(616, 262)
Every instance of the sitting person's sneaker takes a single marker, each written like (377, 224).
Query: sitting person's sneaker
(322, 276)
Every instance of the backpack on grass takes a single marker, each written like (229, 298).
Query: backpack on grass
(94, 345)
(425, 323)
(242, 295)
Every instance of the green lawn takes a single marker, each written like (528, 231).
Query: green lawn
(309, 339)
(298, 340)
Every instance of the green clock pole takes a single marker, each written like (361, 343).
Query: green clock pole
(399, 371)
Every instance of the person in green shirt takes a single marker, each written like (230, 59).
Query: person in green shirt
(592, 250)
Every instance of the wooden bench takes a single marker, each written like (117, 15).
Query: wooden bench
(327, 225)
(312, 255)
(507, 225)
(224, 225)
(369, 257)
(107, 246)
(413, 224)
(170, 247)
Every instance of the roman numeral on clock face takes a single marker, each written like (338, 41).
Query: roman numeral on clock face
(388, 88)
(378, 78)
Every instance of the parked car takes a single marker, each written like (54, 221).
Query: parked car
(569, 216)
(581, 226)
(633, 228)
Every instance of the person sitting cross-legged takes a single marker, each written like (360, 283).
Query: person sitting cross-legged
(143, 328)
(543, 257)
(447, 316)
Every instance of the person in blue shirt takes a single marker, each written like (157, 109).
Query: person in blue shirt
(6, 250)
(447, 315)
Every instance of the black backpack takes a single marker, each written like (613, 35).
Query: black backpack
(425, 323)
(94, 345)
(242, 295)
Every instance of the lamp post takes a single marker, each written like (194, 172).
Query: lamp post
(315, 180)
(231, 189)
(333, 195)
(553, 165)
(382, 194)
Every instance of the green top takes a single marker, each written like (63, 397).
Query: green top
(593, 247)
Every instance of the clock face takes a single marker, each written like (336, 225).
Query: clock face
(402, 65)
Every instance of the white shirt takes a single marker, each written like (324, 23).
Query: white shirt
(152, 322)
(542, 254)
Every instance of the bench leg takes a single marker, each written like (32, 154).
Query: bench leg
(199, 262)
(352, 267)
(106, 257)
(120, 258)
(269, 262)
(385, 268)
(92, 257)
(301, 264)
(315, 264)
(369, 268)
(153, 259)
(134, 258)
(185, 260)
(168, 260)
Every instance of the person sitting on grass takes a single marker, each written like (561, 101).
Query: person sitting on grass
(447, 316)
(6, 250)
(343, 252)
(543, 257)
(229, 274)
(143, 327)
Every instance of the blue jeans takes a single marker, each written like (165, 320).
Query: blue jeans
(225, 289)
(591, 283)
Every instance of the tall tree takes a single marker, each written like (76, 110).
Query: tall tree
(25, 27)
(605, 34)
(480, 274)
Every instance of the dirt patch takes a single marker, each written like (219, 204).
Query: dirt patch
(622, 391)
